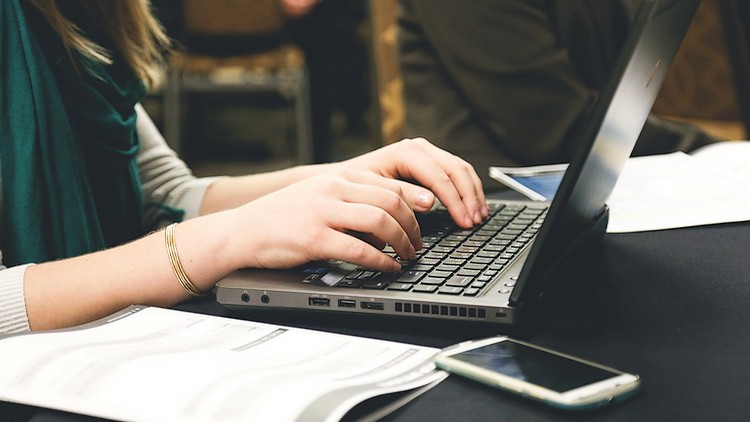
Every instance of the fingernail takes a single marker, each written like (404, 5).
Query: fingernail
(485, 211)
(468, 220)
(425, 199)
(396, 267)
(477, 217)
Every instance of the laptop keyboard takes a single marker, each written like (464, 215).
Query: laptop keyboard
(455, 261)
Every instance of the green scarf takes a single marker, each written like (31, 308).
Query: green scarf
(68, 142)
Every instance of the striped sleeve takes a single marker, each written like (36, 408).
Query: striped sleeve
(166, 179)
(13, 318)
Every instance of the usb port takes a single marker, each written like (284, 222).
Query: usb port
(319, 301)
(347, 303)
(377, 306)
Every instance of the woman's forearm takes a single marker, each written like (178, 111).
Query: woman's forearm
(81, 289)
(231, 192)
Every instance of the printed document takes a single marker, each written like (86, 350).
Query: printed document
(153, 364)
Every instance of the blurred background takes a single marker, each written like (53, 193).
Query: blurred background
(258, 85)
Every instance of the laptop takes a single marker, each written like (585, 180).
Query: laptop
(496, 271)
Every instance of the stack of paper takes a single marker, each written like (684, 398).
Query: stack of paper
(710, 186)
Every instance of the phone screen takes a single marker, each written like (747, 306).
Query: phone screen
(535, 366)
(545, 184)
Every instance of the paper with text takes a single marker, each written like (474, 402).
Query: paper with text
(153, 364)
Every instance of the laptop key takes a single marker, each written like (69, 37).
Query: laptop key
(410, 277)
(366, 275)
(472, 291)
(428, 261)
(450, 290)
(433, 281)
(402, 287)
(468, 273)
(380, 281)
(488, 254)
(355, 284)
(457, 281)
(454, 261)
(422, 267)
(441, 274)
(424, 288)
(444, 268)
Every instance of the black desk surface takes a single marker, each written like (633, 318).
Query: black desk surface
(671, 306)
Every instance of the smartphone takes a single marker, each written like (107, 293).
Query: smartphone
(553, 378)
(538, 182)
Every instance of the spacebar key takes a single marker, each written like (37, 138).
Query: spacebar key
(380, 281)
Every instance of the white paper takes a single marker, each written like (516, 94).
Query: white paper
(675, 190)
(679, 190)
(162, 365)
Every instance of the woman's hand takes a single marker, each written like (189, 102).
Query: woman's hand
(452, 179)
(343, 214)
(351, 210)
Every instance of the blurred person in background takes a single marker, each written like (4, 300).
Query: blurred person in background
(509, 83)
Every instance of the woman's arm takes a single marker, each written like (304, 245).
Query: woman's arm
(270, 232)
(275, 220)
(81, 289)
(169, 181)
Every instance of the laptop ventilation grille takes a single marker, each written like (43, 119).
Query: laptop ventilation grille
(459, 311)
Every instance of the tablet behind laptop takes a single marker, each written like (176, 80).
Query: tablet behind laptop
(496, 270)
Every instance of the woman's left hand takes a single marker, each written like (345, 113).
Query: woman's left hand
(452, 179)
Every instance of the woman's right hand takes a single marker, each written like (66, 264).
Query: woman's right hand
(343, 214)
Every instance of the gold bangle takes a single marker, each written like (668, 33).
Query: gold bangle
(174, 260)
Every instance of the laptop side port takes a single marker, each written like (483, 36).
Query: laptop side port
(347, 303)
(375, 306)
(319, 301)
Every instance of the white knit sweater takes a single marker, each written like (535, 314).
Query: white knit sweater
(166, 180)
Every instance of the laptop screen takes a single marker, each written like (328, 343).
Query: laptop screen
(578, 210)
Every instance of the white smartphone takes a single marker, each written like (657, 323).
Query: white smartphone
(537, 182)
(554, 378)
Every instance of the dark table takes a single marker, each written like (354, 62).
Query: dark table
(671, 306)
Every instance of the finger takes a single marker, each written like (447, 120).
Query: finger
(367, 237)
(470, 188)
(425, 170)
(377, 222)
(468, 182)
(388, 195)
(456, 181)
(417, 197)
(338, 245)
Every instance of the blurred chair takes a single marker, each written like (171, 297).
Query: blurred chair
(736, 19)
(389, 84)
(236, 46)
(708, 83)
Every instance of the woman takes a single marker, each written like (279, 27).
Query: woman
(86, 178)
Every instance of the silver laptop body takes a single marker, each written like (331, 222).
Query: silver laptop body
(560, 233)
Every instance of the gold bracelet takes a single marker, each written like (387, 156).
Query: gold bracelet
(174, 260)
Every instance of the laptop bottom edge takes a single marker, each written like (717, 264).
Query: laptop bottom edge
(242, 297)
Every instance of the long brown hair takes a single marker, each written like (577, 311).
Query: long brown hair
(129, 24)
